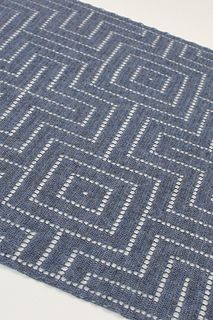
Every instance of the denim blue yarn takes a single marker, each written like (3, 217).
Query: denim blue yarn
(106, 121)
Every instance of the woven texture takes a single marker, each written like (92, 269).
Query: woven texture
(105, 165)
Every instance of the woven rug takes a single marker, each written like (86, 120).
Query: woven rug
(106, 159)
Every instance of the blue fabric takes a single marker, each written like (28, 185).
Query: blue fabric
(106, 159)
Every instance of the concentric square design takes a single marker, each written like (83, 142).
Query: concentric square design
(75, 190)
(151, 79)
(85, 193)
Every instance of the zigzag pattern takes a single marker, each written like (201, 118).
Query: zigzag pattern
(106, 159)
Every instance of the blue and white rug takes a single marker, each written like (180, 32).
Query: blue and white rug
(106, 159)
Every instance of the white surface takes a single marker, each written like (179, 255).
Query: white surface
(22, 298)
(189, 19)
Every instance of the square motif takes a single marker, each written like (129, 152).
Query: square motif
(85, 193)
(151, 78)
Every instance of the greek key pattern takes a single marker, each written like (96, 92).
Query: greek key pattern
(106, 142)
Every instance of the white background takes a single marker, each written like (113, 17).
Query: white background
(22, 298)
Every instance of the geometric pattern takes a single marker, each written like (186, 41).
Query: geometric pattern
(106, 173)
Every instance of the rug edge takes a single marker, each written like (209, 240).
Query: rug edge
(151, 28)
(37, 276)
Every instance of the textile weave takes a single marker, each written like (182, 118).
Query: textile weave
(106, 159)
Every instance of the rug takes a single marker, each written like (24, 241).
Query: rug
(106, 159)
